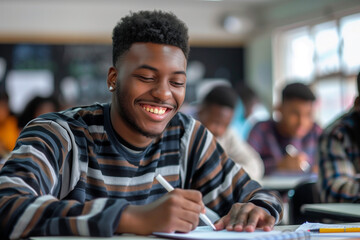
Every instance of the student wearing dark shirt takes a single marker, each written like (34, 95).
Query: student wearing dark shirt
(289, 144)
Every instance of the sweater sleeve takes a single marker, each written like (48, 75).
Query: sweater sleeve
(221, 181)
(31, 185)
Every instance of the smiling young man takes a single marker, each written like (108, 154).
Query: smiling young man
(90, 171)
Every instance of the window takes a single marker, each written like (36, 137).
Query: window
(326, 41)
(350, 32)
(324, 55)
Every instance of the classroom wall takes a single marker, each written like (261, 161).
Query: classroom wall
(92, 20)
(62, 26)
(73, 21)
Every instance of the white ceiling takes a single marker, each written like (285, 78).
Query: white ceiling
(93, 20)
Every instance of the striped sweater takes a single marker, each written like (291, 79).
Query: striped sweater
(70, 174)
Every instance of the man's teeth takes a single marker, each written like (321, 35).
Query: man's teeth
(158, 111)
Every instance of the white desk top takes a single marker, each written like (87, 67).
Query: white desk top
(136, 237)
(122, 237)
(337, 209)
(132, 237)
(282, 182)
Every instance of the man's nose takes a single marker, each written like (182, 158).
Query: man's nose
(162, 90)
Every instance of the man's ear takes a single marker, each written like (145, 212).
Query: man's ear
(278, 112)
(278, 108)
(111, 78)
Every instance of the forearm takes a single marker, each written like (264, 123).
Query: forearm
(269, 201)
(47, 216)
(252, 192)
(243, 190)
(224, 183)
(32, 184)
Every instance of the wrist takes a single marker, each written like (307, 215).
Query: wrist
(130, 221)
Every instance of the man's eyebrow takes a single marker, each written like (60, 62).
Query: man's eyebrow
(180, 72)
(145, 66)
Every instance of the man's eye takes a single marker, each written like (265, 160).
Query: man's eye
(144, 78)
(178, 84)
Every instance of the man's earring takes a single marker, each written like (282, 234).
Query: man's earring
(111, 89)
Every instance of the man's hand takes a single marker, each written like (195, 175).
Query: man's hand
(178, 210)
(246, 217)
(295, 163)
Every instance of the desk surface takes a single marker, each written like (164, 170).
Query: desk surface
(125, 236)
(349, 212)
(283, 182)
(135, 237)
(132, 237)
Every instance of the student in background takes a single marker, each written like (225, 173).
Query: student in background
(216, 112)
(248, 111)
(9, 131)
(289, 145)
(91, 170)
(339, 157)
(36, 107)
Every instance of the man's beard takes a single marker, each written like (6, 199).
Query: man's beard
(132, 124)
(131, 121)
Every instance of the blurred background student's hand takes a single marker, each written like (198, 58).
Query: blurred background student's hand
(294, 163)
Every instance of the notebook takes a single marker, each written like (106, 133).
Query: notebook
(308, 225)
(205, 232)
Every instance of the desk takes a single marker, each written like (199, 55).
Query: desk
(132, 237)
(347, 212)
(283, 182)
(135, 237)
(123, 237)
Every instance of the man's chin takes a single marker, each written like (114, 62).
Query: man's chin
(146, 130)
(300, 135)
(150, 133)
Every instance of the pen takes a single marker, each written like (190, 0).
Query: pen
(335, 230)
(169, 188)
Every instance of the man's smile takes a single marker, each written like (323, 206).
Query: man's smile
(156, 112)
(154, 109)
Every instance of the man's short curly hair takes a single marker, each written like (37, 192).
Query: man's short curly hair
(149, 26)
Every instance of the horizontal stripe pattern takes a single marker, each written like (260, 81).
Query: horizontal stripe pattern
(70, 175)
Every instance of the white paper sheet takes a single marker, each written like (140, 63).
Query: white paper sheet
(206, 232)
